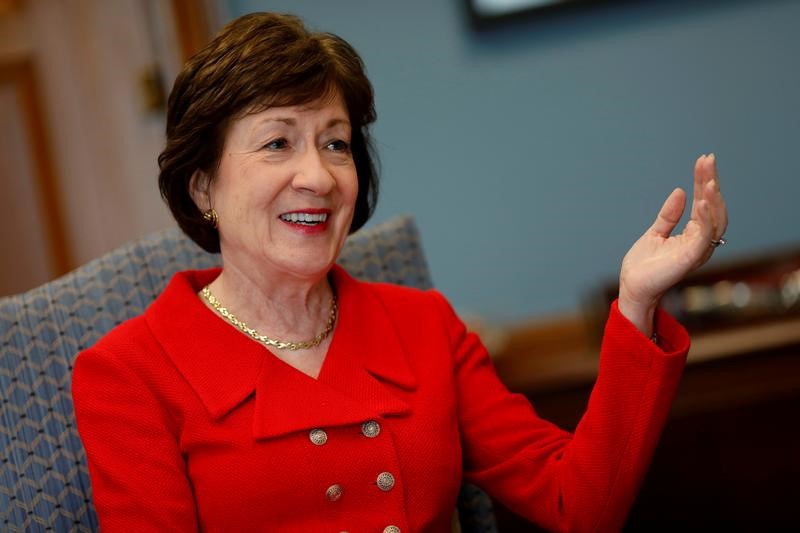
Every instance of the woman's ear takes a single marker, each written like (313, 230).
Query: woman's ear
(199, 190)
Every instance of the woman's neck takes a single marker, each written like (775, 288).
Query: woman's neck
(286, 308)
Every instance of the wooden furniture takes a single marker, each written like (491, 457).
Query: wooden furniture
(729, 457)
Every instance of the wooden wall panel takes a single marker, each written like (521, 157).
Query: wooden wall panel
(27, 175)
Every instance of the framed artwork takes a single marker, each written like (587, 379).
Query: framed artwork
(488, 13)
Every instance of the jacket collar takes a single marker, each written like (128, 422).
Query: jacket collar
(365, 373)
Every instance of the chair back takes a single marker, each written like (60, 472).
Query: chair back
(44, 480)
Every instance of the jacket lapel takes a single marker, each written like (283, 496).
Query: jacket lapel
(365, 375)
(217, 361)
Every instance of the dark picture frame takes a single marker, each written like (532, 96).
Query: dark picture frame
(486, 14)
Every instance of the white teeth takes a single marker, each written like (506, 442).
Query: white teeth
(305, 218)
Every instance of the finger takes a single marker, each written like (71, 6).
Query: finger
(703, 217)
(708, 234)
(670, 214)
(697, 191)
(700, 231)
(703, 173)
(719, 211)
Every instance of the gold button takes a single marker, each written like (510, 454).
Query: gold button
(318, 436)
(385, 481)
(370, 429)
(391, 529)
(334, 492)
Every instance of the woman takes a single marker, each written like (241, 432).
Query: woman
(280, 394)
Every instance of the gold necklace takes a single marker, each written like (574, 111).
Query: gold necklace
(281, 345)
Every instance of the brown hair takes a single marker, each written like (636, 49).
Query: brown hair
(258, 61)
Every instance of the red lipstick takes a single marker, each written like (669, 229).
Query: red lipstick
(310, 221)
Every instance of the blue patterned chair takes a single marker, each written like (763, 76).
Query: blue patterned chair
(44, 481)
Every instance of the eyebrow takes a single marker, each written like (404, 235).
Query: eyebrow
(291, 122)
(287, 121)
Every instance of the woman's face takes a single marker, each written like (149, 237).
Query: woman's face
(285, 190)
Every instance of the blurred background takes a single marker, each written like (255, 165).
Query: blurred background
(533, 148)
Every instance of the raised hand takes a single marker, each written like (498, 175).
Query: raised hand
(658, 260)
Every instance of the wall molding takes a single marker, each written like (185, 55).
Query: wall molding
(20, 73)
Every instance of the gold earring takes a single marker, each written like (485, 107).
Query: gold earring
(210, 216)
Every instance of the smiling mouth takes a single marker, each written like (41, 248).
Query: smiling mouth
(305, 219)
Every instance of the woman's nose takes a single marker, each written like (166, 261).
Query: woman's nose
(313, 175)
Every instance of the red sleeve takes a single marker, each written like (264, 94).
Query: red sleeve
(560, 481)
(136, 469)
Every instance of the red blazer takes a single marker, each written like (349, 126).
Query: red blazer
(189, 425)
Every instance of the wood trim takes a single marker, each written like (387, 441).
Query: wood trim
(563, 352)
(191, 25)
(21, 74)
(548, 354)
(7, 7)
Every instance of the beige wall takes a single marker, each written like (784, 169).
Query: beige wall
(25, 261)
(89, 56)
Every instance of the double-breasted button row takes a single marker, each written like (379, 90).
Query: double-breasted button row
(369, 429)
(385, 482)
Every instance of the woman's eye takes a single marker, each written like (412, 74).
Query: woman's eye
(277, 144)
(338, 146)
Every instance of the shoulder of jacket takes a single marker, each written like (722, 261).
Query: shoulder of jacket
(410, 303)
(125, 343)
(399, 295)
